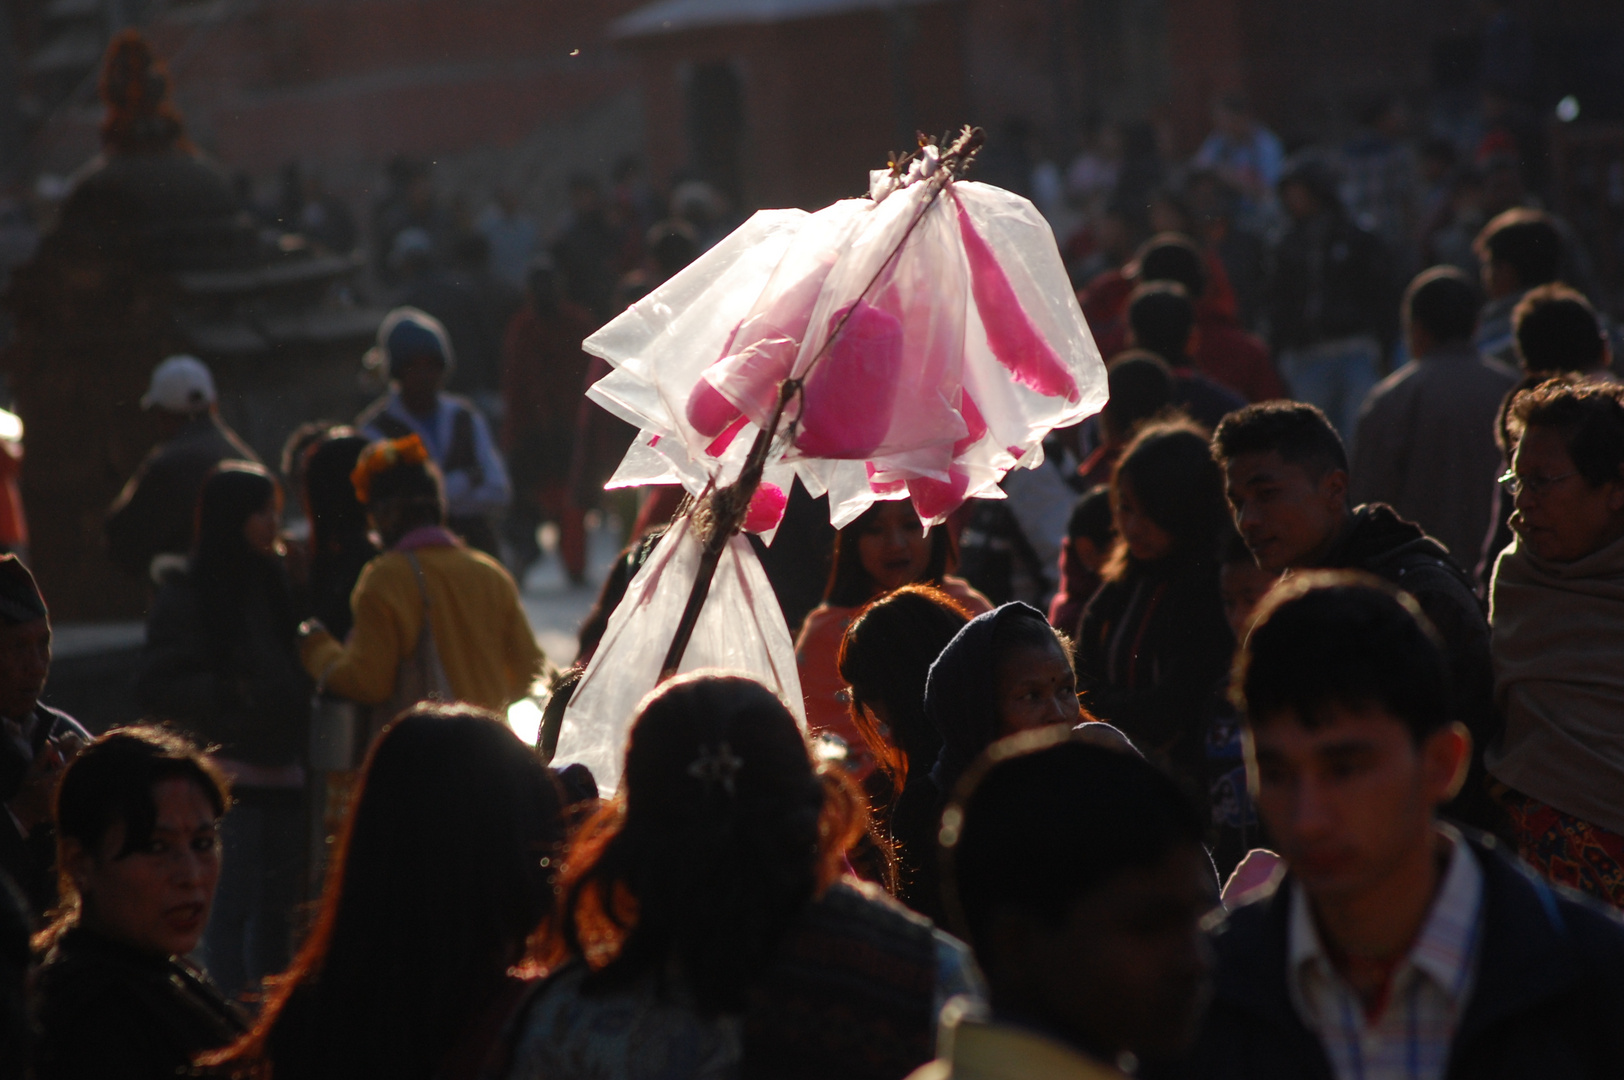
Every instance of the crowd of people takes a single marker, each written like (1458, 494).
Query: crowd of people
(1268, 728)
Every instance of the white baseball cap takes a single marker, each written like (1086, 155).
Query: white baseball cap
(181, 384)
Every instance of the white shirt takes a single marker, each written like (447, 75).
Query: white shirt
(1410, 1038)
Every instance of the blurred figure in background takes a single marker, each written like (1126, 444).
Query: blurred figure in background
(1161, 319)
(543, 374)
(1518, 250)
(341, 542)
(1425, 443)
(1379, 178)
(221, 661)
(1090, 534)
(1329, 294)
(1245, 154)
(512, 236)
(415, 353)
(586, 249)
(154, 513)
(138, 818)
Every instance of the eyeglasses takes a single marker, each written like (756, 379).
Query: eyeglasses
(1536, 486)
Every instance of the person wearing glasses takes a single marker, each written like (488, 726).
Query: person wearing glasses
(1286, 476)
(1557, 609)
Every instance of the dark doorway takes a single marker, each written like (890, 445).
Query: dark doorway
(716, 126)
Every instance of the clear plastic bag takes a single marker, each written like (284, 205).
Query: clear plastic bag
(741, 629)
(937, 334)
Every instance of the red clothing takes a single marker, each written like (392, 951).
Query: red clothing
(13, 523)
(1219, 347)
(543, 369)
(817, 657)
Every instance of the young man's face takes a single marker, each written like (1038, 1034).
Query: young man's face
(1348, 801)
(1287, 517)
(1129, 968)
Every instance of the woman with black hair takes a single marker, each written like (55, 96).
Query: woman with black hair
(221, 661)
(884, 549)
(443, 870)
(137, 819)
(341, 542)
(885, 657)
(1154, 642)
(704, 926)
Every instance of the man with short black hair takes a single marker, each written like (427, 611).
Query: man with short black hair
(1286, 475)
(1425, 442)
(1556, 331)
(1395, 946)
(1517, 251)
(1160, 320)
(36, 740)
(1078, 874)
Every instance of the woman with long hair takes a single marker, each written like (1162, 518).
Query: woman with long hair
(884, 549)
(341, 542)
(1154, 642)
(443, 870)
(137, 817)
(885, 658)
(221, 661)
(703, 922)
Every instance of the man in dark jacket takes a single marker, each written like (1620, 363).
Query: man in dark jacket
(153, 515)
(1286, 472)
(1329, 298)
(1395, 946)
(37, 740)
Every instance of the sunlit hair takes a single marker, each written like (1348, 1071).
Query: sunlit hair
(885, 657)
(852, 586)
(111, 782)
(1588, 415)
(721, 833)
(443, 870)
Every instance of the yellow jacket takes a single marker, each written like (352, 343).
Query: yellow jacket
(486, 646)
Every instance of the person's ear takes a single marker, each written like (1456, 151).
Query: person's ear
(1333, 488)
(1446, 756)
(77, 864)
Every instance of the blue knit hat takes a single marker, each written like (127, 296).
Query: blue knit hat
(408, 332)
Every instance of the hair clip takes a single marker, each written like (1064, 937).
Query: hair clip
(718, 766)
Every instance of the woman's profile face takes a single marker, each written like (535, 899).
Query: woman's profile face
(1146, 540)
(156, 898)
(1560, 515)
(892, 546)
(262, 529)
(1036, 688)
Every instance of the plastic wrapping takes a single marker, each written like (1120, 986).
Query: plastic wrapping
(741, 629)
(937, 335)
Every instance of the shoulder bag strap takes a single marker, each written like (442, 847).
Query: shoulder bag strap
(428, 650)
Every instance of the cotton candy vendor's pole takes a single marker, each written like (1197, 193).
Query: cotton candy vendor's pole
(721, 513)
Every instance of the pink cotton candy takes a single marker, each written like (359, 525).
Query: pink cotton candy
(934, 499)
(709, 412)
(850, 391)
(1010, 333)
(766, 508)
(718, 446)
(973, 420)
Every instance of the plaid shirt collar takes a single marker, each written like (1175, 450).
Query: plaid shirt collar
(1444, 952)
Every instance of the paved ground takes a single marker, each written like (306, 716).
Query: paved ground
(555, 607)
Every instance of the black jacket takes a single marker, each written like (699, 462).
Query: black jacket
(249, 694)
(154, 513)
(1328, 279)
(1381, 543)
(1548, 1000)
(109, 1012)
(31, 859)
(1152, 649)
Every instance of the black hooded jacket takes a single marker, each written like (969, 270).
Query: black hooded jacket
(1381, 543)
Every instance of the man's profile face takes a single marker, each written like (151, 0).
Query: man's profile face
(1130, 968)
(25, 661)
(1287, 517)
(1347, 800)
